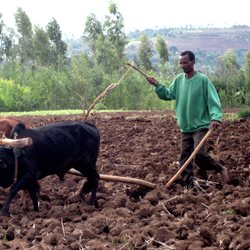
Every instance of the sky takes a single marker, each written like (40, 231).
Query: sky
(138, 14)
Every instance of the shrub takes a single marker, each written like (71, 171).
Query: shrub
(244, 113)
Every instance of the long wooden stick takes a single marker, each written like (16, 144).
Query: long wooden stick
(16, 143)
(115, 178)
(198, 147)
(111, 86)
(137, 70)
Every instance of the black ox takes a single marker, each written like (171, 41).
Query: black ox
(56, 148)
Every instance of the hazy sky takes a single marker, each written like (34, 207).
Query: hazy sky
(138, 14)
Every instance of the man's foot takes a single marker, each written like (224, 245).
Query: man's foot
(202, 174)
(224, 176)
(190, 182)
(186, 181)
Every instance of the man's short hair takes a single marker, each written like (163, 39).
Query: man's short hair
(189, 53)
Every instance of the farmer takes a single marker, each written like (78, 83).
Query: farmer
(198, 108)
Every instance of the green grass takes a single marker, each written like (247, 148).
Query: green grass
(244, 113)
(226, 116)
(54, 112)
(43, 112)
(230, 116)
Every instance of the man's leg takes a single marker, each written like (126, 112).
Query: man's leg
(205, 161)
(187, 147)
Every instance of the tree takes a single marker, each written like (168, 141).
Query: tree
(247, 77)
(25, 42)
(113, 28)
(107, 40)
(228, 76)
(42, 49)
(162, 49)
(59, 47)
(93, 30)
(5, 42)
(145, 52)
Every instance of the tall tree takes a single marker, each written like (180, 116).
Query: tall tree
(113, 27)
(59, 47)
(93, 30)
(229, 76)
(107, 40)
(145, 52)
(5, 42)
(25, 42)
(162, 49)
(42, 49)
(247, 77)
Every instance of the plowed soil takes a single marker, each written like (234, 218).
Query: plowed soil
(142, 145)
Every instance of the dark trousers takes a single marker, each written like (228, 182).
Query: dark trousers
(203, 160)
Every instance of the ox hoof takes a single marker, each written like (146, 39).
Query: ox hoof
(4, 213)
(94, 203)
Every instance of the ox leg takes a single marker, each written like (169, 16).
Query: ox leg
(34, 197)
(19, 185)
(5, 210)
(91, 186)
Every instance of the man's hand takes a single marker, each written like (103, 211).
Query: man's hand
(215, 124)
(152, 80)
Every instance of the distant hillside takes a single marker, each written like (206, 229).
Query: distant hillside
(210, 42)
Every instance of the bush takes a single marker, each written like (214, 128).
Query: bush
(244, 113)
(13, 96)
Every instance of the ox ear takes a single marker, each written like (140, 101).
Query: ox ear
(17, 130)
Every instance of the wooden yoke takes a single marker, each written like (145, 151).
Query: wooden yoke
(16, 143)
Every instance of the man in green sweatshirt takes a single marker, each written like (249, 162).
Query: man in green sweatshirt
(198, 108)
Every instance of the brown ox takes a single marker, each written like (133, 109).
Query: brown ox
(6, 124)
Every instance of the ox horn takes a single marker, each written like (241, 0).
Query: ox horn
(118, 179)
(16, 143)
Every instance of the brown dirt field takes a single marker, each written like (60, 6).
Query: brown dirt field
(143, 145)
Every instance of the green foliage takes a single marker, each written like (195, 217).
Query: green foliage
(100, 106)
(230, 81)
(25, 42)
(44, 112)
(58, 48)
(145, 52)
(107, 40)
(162, 49)
(37, 74)
(12, 96)
(42, 49)
(244, 113)
(5, 42)
(93, 29)
(230, 116)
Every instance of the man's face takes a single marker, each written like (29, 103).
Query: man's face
(186, 64)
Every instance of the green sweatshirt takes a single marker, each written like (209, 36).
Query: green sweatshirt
(197, 101)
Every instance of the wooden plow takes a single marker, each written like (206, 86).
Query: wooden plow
(115, 178)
